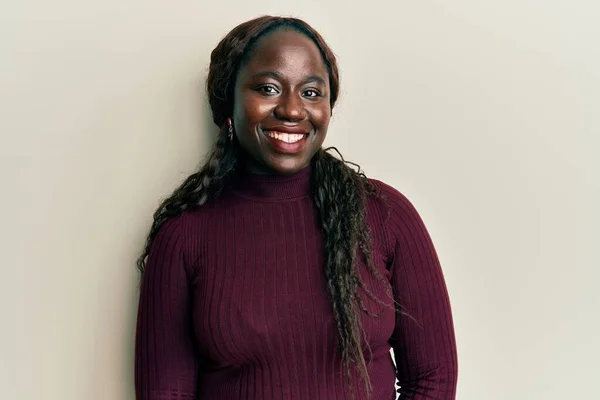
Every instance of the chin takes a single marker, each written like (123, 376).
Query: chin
(287, 168)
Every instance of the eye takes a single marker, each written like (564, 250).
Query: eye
(312, 93)
(268, 89)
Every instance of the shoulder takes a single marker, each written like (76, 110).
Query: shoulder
(392, 199)
(178, 233)
(174, 245)
(169, 236)
(186, 223)
(397, 213)
(188, 229)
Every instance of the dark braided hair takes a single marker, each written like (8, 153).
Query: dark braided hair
(339, 191)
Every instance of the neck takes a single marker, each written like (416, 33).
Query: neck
(256, 168)
(262, 185)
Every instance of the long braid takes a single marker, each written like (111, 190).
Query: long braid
(197, 189)
(340, 194)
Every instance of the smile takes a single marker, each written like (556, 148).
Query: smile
(285, 137)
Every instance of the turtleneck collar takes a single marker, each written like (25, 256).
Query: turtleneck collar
(271, 187)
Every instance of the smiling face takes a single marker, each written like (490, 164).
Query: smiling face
(282, 103)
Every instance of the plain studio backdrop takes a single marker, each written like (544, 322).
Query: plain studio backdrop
(484, 113)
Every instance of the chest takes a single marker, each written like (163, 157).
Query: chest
(260, 290)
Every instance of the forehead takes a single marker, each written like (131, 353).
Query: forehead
(288, 52)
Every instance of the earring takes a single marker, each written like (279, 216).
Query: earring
(230, 124)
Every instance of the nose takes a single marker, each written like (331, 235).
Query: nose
(290, 107)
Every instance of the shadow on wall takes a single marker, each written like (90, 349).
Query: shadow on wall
(206, 135)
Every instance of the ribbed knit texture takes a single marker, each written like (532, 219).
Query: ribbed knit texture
(234, 306)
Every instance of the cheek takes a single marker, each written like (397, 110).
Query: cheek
(321, 118)
(254, 110)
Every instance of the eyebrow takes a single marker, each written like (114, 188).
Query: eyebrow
(275, 75)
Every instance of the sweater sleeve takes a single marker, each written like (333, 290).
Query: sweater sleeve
(423, 340)
(165, 361)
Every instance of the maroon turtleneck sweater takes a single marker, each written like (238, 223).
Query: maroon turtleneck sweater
(234, 305)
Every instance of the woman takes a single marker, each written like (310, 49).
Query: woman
(277, 271)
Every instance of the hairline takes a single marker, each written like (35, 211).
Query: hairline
(284, 24)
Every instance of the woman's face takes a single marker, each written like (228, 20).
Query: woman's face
(281, 110)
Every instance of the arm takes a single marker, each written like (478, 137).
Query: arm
(423, 340)
(165, 364)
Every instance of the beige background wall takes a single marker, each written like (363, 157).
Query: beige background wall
(484, 113)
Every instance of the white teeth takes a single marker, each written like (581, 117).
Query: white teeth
(285, 137)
